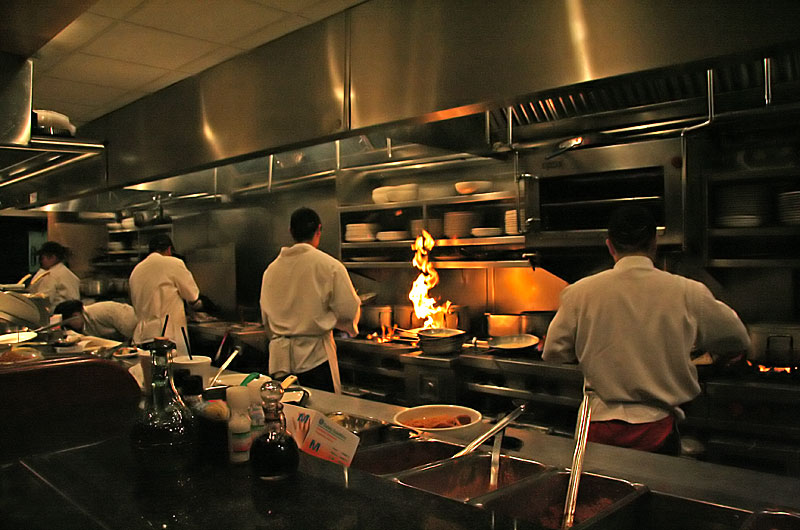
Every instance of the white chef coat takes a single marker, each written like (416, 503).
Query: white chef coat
(109, 320)
(632, 329)
(58, 283)
(159, 284)
(305, 294)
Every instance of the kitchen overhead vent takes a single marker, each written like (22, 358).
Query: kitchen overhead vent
(670, 92)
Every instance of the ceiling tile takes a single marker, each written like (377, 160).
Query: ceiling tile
(285, 25)
(114, 8)
(82, 30)
(106, 72)
(221, 21)
(213, 58)
(326, 8)
(151, 47)
(74, 91)
(162, 82)
(290, 6)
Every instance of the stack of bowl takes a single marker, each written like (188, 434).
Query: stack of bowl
(459, 224)
(440, 341)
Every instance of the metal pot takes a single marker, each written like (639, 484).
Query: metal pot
(528, 322)
(375, 316)
(775, 344)
(97, 287)
(404, 317)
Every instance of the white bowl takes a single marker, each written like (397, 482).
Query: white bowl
(397, 194)
(393, 235)
(473, 186)
(381, 195)
(410, 416)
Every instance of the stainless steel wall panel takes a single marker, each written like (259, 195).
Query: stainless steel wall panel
(286, 92)
(16, 82)
(413, 58)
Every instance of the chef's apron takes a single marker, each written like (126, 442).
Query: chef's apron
(286, 344)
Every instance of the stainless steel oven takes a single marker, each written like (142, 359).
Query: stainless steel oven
(570, 194)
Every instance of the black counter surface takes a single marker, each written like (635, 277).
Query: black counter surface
(98, 486)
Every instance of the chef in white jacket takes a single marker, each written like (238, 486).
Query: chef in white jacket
(305, 294)
(108, 320)
(159, 285)
(54, 279)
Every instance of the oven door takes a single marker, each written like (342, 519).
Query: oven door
(569, 197)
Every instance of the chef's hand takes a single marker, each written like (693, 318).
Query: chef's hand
(206, 304)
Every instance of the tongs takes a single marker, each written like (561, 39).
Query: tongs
(500, 425)
(581, 433)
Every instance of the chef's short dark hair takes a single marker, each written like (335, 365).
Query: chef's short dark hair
(67, 308)
(632, 228)
(160, 243)
(303, 224)
(51, 248)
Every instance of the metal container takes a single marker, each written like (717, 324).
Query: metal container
(528, 322)
(775, 343)
(373, 317)
(97, 287)
(404, 317)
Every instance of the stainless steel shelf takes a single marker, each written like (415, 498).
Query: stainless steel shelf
(439, 201)
(437, 264)
(753, 262)
(462, 242)
(756, 231)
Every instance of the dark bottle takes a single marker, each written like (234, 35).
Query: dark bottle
(274, 454)
(164, 437)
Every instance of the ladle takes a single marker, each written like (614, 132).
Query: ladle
(581, 433)
(474, 444)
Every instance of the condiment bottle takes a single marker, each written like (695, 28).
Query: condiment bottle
(164, 438)
(256, 408)
(191, 389)
(239, 439)
(274, 454)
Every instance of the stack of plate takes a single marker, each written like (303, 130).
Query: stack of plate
(511, 222)
(440, 341)
(393, 235)
(789, 207)
(458, 224)
(488, 231)
(742, 206)
(360, 232)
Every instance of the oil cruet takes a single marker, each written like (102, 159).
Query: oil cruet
(274, 454)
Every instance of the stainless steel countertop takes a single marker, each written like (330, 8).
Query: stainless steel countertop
(679, 476)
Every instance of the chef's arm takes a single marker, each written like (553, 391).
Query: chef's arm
(720, 331)
(559, 343)
(345, 303)
(187, 287)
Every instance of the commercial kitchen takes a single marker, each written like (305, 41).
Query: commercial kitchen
(508, 131)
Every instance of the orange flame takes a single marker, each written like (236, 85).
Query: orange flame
(425, 306)
(762, 368)
(387, 334)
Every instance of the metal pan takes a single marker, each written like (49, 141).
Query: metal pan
(513, 342)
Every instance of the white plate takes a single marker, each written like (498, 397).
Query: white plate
(407, 417)
(397, 235)
(486, 232)
(359, 239)
(16, 338)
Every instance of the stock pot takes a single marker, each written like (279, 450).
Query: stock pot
(775, 343)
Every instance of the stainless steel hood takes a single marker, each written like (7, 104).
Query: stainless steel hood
(26, 159)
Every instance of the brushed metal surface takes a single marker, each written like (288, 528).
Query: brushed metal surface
(288, 91)
(414, 58)
(16, 82)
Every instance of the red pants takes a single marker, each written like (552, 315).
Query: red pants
(643, 436)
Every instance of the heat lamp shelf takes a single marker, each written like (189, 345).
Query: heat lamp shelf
(438, 264)
(436, 201)
(460, 242)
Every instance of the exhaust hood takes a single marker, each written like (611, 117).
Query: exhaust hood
(24, 158)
